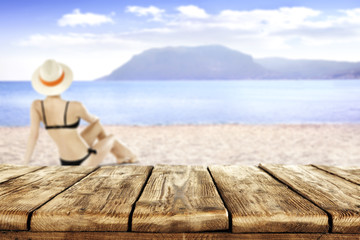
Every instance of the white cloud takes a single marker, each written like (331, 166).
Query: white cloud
(268, 20)
(352, 16)
(77, 18)
(154, 12)
(192, 11)
(259, 21)
(256, 21)
(296, 32)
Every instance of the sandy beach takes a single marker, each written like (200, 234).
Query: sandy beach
(330, 144)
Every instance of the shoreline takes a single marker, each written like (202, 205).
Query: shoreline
(210, 144)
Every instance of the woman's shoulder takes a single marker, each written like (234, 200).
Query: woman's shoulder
(36, 103)
(76, 103)
(77, 106)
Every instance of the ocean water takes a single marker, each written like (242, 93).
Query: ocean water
(199, 102)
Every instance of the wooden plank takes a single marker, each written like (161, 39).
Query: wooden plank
(8, 172)
(20, 196)
(43, 178)
(180, 199)
(351, 174)
(340, 237)
(174, 236)
(69, 169)
(337, 196)
(100, 202)
(259, 203)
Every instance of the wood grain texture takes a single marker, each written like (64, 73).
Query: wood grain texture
(259, 203)
(340, 237)
(8, 172)
(180, 199)
(337, 196)
(100, 202)
(351, 174)
(20, 196)
(24, 235)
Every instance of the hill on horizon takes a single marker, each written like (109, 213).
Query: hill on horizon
(222, 63)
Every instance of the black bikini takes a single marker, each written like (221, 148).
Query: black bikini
(74, 125)
(77, 162)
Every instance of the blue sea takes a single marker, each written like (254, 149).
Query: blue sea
(199, 102)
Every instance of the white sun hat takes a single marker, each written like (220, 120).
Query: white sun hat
(52, 78)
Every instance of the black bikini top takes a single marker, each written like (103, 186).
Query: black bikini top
(74, 125)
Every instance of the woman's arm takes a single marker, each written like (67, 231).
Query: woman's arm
(34, 132)
(84, 114)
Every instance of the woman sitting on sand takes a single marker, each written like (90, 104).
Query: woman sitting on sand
(61, 119)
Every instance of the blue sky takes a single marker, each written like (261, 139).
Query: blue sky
(95, 37)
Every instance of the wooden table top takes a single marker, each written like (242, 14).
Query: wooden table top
(177, 202)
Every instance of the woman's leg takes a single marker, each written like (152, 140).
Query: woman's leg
(96, 131)
(92, 132)
(102, 148)
(123, 153)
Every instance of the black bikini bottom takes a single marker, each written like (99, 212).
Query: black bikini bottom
(77, 162)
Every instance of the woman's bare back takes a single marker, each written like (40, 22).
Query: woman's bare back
(70, 144)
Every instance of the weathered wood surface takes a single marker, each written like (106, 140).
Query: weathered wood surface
(180, 199)
(26, 235)
(337, 196)
(100, 202)
(87, 203)
(22, 195)
(12, 171)
(259, 203)
(351, 174)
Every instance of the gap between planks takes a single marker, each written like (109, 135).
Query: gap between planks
(330, 220)
(31, 213)
(251, 181)
(334, 174)
(222, 199)
(102, 201)
(137, 199)
(337, 196)
(180, 198)
(20, 175)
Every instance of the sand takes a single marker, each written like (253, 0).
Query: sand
(330, 144)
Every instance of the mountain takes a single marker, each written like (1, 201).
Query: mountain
(309, 69)
(187, 63)
(218, 62)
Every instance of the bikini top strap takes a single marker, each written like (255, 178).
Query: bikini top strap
(43, 112)
(65, 113)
